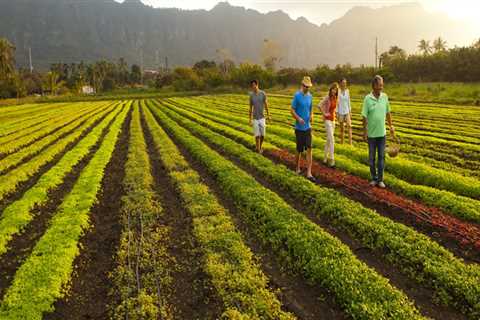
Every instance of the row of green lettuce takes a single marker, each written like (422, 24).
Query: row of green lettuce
(42, 277)
(301, 244)
(460, 206)
(234, 272)
(415, 254)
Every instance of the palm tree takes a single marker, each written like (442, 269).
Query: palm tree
(439, 45)
(7, 58)
(52, 82)
(424, 46)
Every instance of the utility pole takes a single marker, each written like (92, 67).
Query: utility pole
(376, 53)
(30, 58)
(141, 66)
(166, 64)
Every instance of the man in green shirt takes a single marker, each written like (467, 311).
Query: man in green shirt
(376, 109)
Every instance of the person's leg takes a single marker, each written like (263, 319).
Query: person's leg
(308, 144)
(381, 157)
(327, 146)
(332, 143)
(371, 158)
(262, 135)
(309, 162)
(341, 122)
(349, 128)
(299, 140)
(257, 143)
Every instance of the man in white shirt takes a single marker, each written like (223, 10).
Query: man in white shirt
(344, 111)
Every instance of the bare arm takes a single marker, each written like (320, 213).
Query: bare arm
(390, 124)
(266, 109)
(250, 112)
(365, 131)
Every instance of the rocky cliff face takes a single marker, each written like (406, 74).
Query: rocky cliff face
(74, 30)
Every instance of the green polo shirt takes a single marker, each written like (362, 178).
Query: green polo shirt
(375, 110)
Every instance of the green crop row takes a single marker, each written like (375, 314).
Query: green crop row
(412, 172)
(463, 149)
(40, 280)
(14, 122)
(16, 158)
(21, 138)
(239, 281)
(142, 277)
(419, 257)
(19, 213)
(22, 173)
(305, 247)
(459, 206)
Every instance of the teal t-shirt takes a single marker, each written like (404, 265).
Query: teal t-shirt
(375, 110)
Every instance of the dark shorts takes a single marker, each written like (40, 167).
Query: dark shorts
(304, 140)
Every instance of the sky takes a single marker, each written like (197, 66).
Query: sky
(324, 11)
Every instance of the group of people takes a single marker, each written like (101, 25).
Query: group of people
(334, 106)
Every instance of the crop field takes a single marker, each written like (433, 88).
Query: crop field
(161, 209)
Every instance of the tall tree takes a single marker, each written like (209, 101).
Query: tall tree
(424, 46)
(439, 45)
(7, 59)
(52, 82)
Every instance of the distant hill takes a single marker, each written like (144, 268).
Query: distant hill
(74, 30)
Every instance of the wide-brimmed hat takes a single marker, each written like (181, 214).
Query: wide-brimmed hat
(307, 82)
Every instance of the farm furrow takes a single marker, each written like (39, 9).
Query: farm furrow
(213, 223)
(358, 289)
(462, 207)
(17, 181)
(193, 292)
(51, 127)
(385, 201)
(88, 295)
(142, 278)
(40, 280)
(26, 220)
(16, 159)
(379, 234)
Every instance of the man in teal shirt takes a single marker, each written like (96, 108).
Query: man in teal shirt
(376, 109)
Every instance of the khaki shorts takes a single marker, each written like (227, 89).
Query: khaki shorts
(259, 127)
(345, 118)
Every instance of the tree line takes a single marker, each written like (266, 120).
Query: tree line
(434, 63)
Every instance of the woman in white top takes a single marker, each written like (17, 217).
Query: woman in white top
(344, 111)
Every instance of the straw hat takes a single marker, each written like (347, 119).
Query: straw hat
(307, 82)
(393, 149)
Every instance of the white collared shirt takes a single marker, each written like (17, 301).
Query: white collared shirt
(343, 107)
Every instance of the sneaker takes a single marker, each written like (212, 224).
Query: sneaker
(325, 161)
(381, 185)
(373, 183)
(332, 165)
(312, 179)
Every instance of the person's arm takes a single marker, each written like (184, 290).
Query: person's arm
(250, 112)
(294, 113)
(266, 109)
(311, 113)
(365, 120)
(349, 102)
(390, 119)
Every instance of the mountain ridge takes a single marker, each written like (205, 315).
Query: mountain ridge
(74, 30)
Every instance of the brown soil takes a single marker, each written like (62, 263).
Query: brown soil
(304, 300)
(193, 295)
(22, 244)
(422, 296)
(461, 237)
(88, 296)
